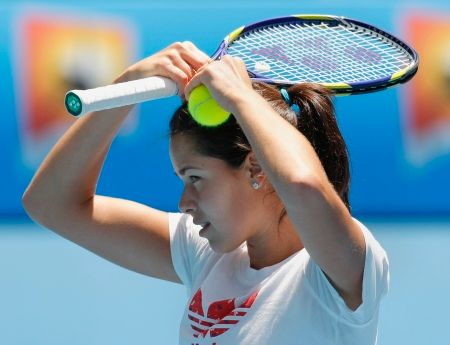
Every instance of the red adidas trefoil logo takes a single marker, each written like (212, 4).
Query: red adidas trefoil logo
(220, 317)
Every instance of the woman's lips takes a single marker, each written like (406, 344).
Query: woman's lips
(204, 229)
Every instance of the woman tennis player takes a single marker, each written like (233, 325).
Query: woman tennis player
(265, 242)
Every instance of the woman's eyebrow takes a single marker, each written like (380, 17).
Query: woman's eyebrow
(182, 171)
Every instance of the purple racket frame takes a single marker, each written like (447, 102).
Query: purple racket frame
(339, 88)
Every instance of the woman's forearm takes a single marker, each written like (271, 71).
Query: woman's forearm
(69, 174)
(285, 154)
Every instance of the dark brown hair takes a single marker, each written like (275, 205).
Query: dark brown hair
(315, 120)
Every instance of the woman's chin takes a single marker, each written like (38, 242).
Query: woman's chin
(222, 248)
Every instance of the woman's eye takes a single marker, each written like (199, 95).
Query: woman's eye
(193, 179)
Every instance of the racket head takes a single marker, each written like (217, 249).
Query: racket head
(345, 55)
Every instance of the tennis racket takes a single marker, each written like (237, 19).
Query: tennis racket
(344, 55)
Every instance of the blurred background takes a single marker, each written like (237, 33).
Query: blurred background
(54, 292)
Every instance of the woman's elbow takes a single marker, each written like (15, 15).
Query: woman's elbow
(33, 204)
(307, 184)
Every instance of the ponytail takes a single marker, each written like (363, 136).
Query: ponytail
(315, 119)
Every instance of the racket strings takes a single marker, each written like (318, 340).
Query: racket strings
(364, 50)
(395, 57)
(345, 42)
(320, 53)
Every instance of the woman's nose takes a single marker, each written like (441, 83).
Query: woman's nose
(186, 203)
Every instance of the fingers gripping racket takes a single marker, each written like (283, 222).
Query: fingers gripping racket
(344, 55)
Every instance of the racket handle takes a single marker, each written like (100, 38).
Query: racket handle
(79, 102)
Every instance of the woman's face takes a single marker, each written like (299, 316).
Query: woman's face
(218, 197)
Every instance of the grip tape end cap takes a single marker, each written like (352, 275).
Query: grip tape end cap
(73, 104)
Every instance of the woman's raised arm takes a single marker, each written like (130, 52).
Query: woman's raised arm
(62, 194)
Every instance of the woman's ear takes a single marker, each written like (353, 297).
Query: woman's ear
(254, 171)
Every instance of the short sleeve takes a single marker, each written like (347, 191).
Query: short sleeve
(190, 253)
(375, 284)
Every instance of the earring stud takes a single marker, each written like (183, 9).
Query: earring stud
(255, 185)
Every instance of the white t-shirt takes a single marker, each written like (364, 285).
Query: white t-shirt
(289, 303)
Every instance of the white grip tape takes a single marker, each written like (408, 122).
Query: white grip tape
(121, 94)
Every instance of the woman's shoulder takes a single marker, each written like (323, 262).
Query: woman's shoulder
(372, 243)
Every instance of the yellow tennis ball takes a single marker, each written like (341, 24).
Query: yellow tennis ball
(204, 108)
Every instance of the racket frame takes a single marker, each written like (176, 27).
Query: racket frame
(399, 77)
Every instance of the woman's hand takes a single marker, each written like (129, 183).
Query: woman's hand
(227, 80)
(179, 62)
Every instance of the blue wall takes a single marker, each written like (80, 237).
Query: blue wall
(385, 180)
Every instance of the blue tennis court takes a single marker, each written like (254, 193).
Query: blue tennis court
(54, 292)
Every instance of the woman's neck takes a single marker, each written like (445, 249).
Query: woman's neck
(273, 244)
